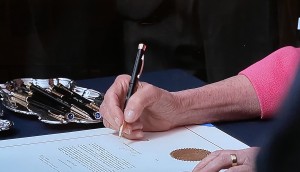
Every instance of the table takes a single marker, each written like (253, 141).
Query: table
(250, 132)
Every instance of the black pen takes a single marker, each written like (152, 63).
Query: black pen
(64, 105)
(27, 102)
(78, 101)
(74, 97)
(136, 73)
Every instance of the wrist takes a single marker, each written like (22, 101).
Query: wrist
(230, 99)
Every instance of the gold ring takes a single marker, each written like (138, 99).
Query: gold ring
(233, 160)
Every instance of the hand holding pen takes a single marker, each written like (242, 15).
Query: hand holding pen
(132, 107)
(136, 73)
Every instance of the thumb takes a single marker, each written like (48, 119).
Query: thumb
(145, 96)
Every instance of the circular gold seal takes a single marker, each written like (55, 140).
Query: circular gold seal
(189, 154)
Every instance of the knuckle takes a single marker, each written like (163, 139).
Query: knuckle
(216, 153)
(122, 77)
(102, 110)
(148, 87)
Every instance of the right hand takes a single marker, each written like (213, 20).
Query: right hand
(148, 109)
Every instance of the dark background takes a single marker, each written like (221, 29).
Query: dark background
(84, 39)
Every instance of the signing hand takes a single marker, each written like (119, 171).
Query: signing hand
(148, 109)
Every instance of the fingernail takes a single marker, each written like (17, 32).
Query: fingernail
(117, 121)
(129, 116)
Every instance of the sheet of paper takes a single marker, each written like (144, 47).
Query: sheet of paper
(101, 150)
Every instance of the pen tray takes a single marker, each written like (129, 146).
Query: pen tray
(9, 89)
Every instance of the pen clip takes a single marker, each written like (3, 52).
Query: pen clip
(141, 68)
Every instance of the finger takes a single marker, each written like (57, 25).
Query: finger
(208, 159)
(129, 127)
(134, 135)
(106, 124)
(113, 120)
(112, 105)
(240, 168)
(145, 95)
(137, 126)
(216, 161)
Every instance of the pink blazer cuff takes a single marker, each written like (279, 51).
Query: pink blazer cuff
(272, 77)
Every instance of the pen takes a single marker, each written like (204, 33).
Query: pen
(74, 97)
(71, 94)
(28, 102)
(59, 102)
(82, 103)
(136, 73)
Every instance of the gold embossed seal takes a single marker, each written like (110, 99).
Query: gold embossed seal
(189, 154)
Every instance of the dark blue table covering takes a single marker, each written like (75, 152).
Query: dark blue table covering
(250, 132)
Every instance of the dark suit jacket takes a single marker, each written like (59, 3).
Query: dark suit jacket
(212, 39)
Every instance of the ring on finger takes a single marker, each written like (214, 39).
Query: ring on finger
(233, 160)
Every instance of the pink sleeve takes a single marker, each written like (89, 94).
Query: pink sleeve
(272, 76)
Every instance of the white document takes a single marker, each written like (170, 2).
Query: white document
(101, 150)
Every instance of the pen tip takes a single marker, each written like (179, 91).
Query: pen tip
(121, 131)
